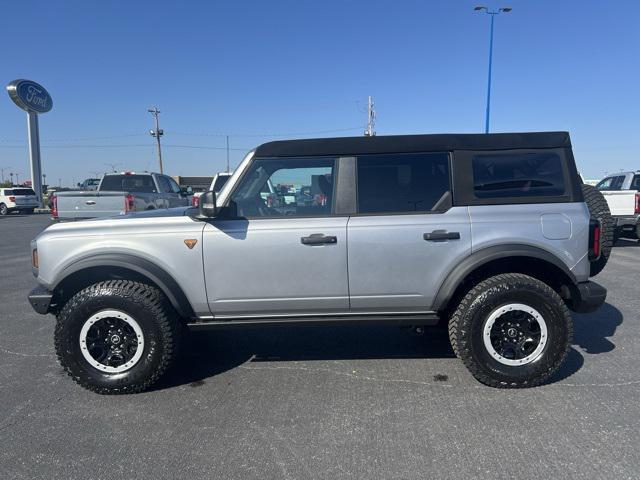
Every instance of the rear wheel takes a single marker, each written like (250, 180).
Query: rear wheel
(3, 209)
(599, 209)
(117, 336)
(511, 331)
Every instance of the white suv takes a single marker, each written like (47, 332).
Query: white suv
(17, 199)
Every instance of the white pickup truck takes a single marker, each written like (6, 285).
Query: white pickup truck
(621, 190)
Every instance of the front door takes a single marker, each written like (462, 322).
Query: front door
(406, 234)
(277, 249)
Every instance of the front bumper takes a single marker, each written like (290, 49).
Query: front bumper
(40, 299)
(587, 297)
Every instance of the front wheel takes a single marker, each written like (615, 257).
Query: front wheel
(511, 331)
(117, 336)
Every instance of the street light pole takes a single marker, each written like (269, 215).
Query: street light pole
(493, 15)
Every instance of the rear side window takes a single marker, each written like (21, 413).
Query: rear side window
(403, 183)
(128, 183)
(220, 181)
(499, 175)
(635, 183)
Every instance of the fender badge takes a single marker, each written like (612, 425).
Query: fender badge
(190, 242)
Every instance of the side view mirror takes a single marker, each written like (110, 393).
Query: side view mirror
(207, 206)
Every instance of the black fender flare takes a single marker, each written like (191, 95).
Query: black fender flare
(489, 254)
(160, 277)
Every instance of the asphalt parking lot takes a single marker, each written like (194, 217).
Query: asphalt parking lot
(319, 402)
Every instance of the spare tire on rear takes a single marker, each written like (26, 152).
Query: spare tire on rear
(599, 210)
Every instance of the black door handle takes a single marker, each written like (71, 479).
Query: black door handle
(441, 235)
(318, 239)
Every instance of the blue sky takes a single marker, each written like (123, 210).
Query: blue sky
(297, 67)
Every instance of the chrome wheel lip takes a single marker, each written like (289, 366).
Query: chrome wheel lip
(111, 314)
(497, 313)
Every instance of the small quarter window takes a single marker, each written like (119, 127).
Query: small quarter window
(498, 175)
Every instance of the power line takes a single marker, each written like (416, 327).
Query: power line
(289, 134)
(166, 145)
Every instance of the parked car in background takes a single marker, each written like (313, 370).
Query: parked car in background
(118, 194)
(89, 184)
(217, 183)
(621, 192)
(17, 199)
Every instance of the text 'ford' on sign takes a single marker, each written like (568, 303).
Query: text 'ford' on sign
(30, 96)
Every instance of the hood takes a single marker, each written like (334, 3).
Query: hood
(125, 224)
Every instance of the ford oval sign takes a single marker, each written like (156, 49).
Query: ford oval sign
(30, 96)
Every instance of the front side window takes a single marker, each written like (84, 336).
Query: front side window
(164, 184)
(403, 183)
(500, 175)
(280, 187)
(175, 188)
(617, 182)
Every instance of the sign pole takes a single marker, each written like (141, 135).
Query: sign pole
(34, 99)
(35, 166)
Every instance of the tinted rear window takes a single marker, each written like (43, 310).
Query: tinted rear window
(518, 175)
(21, 192)
(128, 183)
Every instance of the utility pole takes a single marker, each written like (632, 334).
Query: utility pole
(44, 179)
(493, 14)
(227, 153)
(17, 179)
(371, 118)
(157, 133)
(11, 175)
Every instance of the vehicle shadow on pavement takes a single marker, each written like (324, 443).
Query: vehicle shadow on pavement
(626, 242)
(210, 353)
(591, 333)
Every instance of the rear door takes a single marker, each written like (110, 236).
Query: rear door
(281, 255)
(406, 234)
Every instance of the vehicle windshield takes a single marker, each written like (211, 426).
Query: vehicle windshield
(93, 181)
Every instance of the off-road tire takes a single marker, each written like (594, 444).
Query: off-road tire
(159, 322)
(467, 323)
(3, 209)
(599, 209)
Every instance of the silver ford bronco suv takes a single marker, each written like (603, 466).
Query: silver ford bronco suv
(488, 233)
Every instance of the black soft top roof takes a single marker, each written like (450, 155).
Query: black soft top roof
(413, 143)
